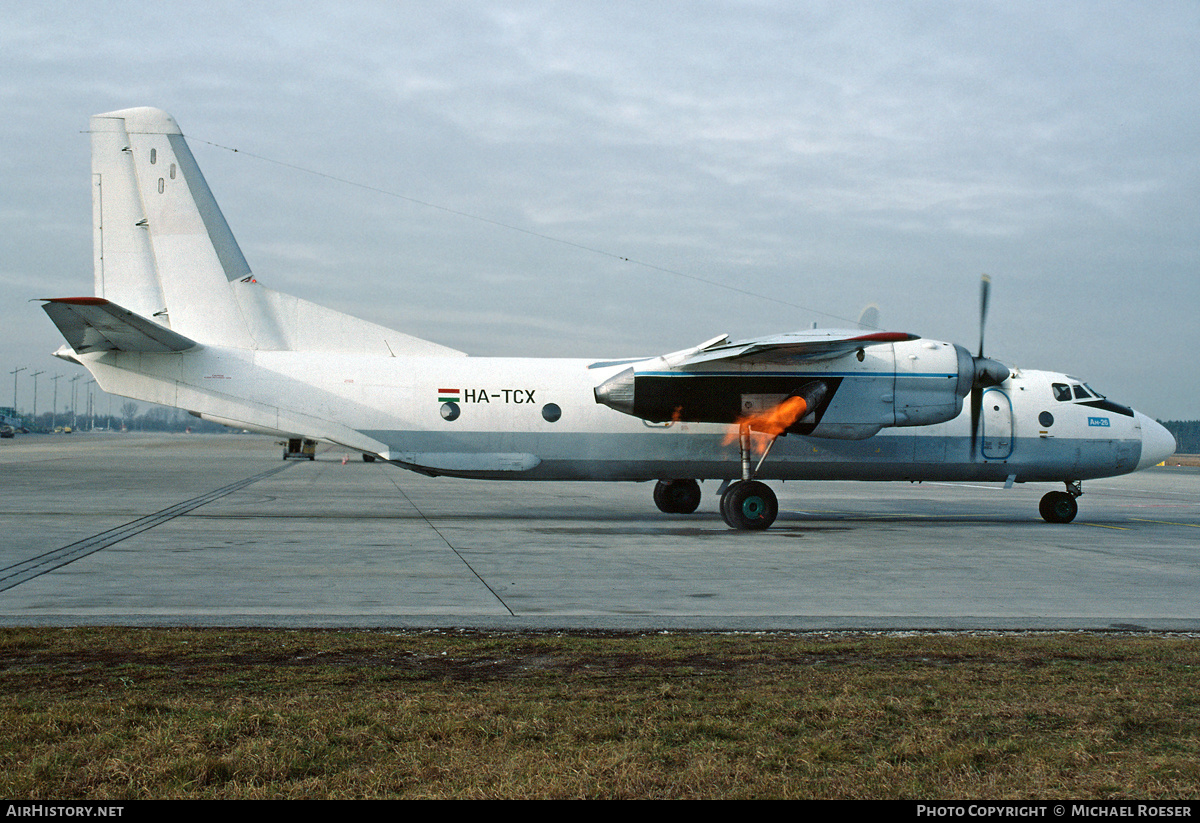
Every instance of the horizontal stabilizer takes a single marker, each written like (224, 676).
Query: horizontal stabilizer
(818, 344)
(92, 324)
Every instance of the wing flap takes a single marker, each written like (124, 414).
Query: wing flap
(92, 324)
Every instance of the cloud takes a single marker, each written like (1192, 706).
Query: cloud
(823, 155)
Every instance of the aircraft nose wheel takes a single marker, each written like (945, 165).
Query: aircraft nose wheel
(1058, 507)
(749, 504)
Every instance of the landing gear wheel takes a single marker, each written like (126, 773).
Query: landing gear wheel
(1058, 507)
(749, 504)
(724, 505)
(677, 496)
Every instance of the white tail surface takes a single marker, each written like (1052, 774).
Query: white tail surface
(164, 251)
(146, 181)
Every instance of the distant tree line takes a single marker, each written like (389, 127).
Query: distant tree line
(131, 418)
(1187, 435)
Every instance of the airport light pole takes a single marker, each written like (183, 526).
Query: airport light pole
(14, 373)
(35, 377)
(74, 403)
(54, 416)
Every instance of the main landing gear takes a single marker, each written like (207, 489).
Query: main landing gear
(749, 504)
(745, 504)
(677, 496)
(1060, 507)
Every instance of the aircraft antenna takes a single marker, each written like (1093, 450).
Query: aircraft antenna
(540, 235)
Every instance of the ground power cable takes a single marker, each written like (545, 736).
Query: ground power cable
(449, 545)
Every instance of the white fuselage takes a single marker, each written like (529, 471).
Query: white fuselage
(179, 319)
(537, 419)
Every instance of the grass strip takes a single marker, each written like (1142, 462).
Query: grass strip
(120, 713)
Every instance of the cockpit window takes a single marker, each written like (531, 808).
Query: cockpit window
(1074, 391)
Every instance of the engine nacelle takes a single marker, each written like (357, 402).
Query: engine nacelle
(932, 379)
(851, 397)
(700, 397)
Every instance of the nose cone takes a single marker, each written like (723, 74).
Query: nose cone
(1157, 443)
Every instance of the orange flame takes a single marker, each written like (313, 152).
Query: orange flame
(769, 424)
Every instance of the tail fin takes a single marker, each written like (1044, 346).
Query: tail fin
(162, 247)
(164, 251)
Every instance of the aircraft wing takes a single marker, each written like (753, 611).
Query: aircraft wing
(94, 324)
(817, 344)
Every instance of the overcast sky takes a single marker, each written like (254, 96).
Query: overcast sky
(663, 172)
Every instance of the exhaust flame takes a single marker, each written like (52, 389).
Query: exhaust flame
(770, 423)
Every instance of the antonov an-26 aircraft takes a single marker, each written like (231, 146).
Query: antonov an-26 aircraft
(178, 319)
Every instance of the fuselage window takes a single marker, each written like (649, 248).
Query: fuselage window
(1061, 391)
(153, 156)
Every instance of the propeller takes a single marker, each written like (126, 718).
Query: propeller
(985, 291)
(988, 372)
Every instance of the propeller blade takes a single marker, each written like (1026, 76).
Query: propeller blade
(985, 289)
(976, 407)
(987, 372)
(869, 319)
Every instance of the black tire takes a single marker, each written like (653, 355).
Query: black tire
(749, 505)
(677, 496)
(368, 458)
(1058, 507)
(724, 505)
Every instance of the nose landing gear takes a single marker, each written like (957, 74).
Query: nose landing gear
(1060, 507)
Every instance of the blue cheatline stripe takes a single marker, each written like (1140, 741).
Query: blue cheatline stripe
(929, 375)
